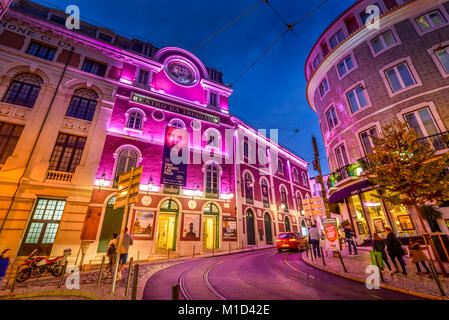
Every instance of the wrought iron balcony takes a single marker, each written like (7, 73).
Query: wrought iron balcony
(439, 141)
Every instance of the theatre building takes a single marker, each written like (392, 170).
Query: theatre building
(359, 80)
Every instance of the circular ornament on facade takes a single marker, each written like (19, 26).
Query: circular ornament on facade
(259, 213)
(279, 217)
(158, 115)
(146, 200)
(181, 73)
(192, 204)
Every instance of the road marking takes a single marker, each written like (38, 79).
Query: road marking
(292, 267)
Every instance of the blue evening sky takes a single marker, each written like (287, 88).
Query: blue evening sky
(272, 94)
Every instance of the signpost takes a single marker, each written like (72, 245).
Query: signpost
(127, 193)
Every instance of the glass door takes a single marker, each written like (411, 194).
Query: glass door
(166, 228)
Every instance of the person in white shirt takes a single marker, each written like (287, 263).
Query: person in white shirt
(123, 251)
(314, 236)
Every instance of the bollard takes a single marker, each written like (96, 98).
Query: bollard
(380, 270)
(193, 253)
(135, 282)
(257, 244)
(435, 276)
(229, 247)
(61, 276)
(101, 271)
(138, 256)
(242, 245)
(341, 260)
(311, 253)
(213, 250)
(128, 280)
(13, 286)
(322, 256)
(307, 250)
(168, 252)
(175, 292)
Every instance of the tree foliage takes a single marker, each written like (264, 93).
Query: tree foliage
(408, 170)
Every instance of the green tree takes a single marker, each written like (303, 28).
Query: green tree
(407, 169)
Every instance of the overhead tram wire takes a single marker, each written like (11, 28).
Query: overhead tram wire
(228, 25)
(289, 28)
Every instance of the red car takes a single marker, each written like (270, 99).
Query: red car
(291, 240)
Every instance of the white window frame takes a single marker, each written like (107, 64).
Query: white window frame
(328, 86)
(433, 110)
(208, 98)
(443, 13)
(144, 118)
(339, 145)
(363, 129)
(348, 104)
(336, 115)
(318, 57)
(335, 34)
(394, 64)
(433, 55)
(354, 63)
(219, 173)
(395, 36)
(304, 179)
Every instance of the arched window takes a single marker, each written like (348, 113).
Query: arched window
(304, 179)
(127, 159)
(249, 188)
(287, 224)
(212, 181)
(265, 193)
(284, 201)
(300, 205)
(295, 175)
(24, 90)
(280, 168)
(83, 104)
(245, 149)
(211, 209)
(135, 120)
(212, 138)
(177, 123)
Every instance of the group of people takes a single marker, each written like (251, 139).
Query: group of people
(391, 245)
(123, 252)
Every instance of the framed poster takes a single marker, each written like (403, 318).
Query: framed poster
(191, 229)
(143, 224)
(379, 225)
(360, 228)
(229, 228)
(405, 222)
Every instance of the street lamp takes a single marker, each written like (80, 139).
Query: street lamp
(102, 180)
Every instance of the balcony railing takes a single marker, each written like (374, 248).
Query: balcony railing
(58, 176)
(437, 141)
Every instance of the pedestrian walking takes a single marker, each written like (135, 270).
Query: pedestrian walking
(395, 250)
(417, 254)
(4, 263)
(314, 237)
(349, 238)
(379, 246)
(123, 251)
(112, 253)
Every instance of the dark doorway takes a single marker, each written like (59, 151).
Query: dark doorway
(250, 227)
(268, 233)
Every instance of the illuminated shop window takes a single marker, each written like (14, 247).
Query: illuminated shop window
(83, 104)
(9, 136)
(24, 90)
(67, 153)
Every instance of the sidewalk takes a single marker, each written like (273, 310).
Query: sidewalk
(46, 287)
(419, 285)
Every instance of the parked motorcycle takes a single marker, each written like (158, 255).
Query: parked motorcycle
(36, 265)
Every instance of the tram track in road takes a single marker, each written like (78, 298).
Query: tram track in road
(183, 288)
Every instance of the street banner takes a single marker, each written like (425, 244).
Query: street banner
(176, 148)
(331, 233)
(128, 187)
(229, 228)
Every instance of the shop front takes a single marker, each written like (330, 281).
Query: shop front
(369, 214)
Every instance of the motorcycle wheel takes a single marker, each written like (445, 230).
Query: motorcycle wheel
(56, 271)
(23, 275)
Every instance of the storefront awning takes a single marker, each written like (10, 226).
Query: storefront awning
(351, 190)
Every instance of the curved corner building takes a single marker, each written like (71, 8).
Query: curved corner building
(360, 79)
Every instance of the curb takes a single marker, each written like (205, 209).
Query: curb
(382, 285)
(143, 282)
(54, 293)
